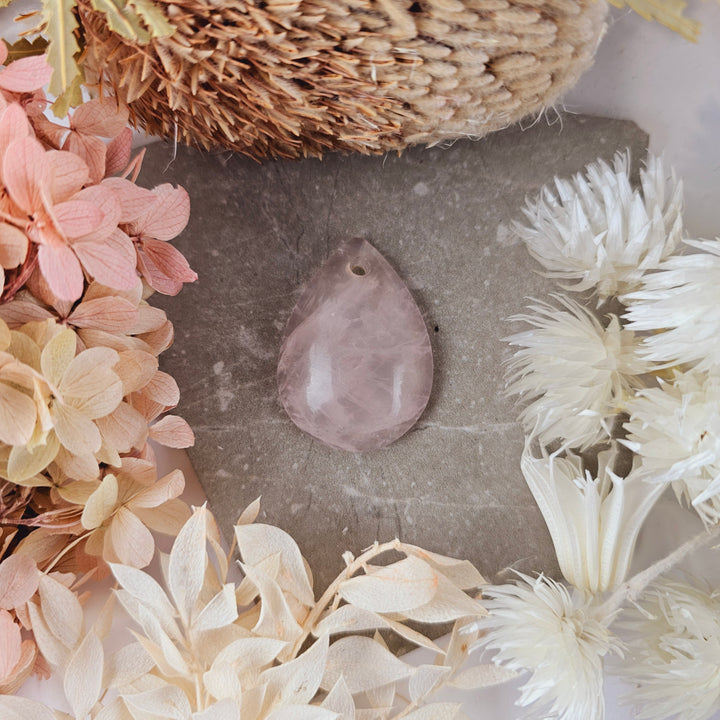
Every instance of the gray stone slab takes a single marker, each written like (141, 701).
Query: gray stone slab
(258, 232)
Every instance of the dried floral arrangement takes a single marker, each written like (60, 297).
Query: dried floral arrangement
(621, 397)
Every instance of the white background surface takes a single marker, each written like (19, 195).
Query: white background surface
(671, 89)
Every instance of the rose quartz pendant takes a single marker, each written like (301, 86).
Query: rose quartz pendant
(356, 365)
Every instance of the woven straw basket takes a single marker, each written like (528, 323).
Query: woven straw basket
(299, 77)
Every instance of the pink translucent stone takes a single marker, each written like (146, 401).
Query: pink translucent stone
(356, 365)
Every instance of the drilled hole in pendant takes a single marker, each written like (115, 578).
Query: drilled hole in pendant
(358, 270)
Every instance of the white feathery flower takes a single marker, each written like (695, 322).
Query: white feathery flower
(673, 659)
(675, 429)
(599, 231)
(541, 627)
(594, 523)
(575, 373)
(683, 300)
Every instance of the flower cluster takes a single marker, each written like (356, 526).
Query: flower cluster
(622, 401)
(82, 247)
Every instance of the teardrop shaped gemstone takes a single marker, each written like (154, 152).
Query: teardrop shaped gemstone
(356, 364)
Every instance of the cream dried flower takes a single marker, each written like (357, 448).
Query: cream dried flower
(675, 429)
(599, 231)
(575, 373)
(673, 662)
(594, 521)
(683, 301)
(555, 634)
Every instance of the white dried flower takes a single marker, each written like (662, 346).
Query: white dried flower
(673, 659)
(594, 521)
(541, 627)
(683, 300)
(575, 373)
(675, 428)
(596, 229)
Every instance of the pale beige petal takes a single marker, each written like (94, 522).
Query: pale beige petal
(25, 349)
(88, 373)
(4, 334)
(76, 432)
(138, 471)
(123, 429)
(167, 518)
(23, 463)
(13, 246)
(101, 503)
(17, 416)
(77, 492)
(166, 488)
(131, 540)
(80, 467)
(57, 356)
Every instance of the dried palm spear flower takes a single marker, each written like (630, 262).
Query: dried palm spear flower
(289, 78)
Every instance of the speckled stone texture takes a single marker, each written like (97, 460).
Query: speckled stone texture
(440, 216)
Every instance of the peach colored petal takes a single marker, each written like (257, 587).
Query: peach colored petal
(134, 200)
(172, 431)
(135, 368)
(100, 116)
(136, 470)
(91, 149)
(26, 173)
(18, 581)
(26, 75)
(104, 198)
(23, 668)
(149, 318)
(131, 540)
(168, 216)
(19, 312)
(118, 152)
(49, 132)
(68, 174)
(17, 416)
(163, 389)
(159, 340)
(164, 267)
(13, 246)
(76, 432)
(108, 262)
(124, 428)
(13, 125)
(10, 642)
(113, 314)
(80, 467)
(78, 218)
(61, 270)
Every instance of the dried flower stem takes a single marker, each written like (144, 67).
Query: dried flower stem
(329, 595)
(634, 587)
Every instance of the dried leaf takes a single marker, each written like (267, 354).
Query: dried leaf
(438, 711)
(126, 665)
(186, 568)
(407, 584)
(250, 513)
(153, 17)
(297, 681)
(482, 676)
(340, 701)
(426, 679)
(60, 25)
(53, 650)
(144, 588)
(449, 604)
(219, 612)
(167, 702)
(83, 675)
(364, 663)
(257, 542)
(122, 20)
(13, 707)
(226, 709)
(302, 712)
(18, 581)
(24, 48)
(61, 610)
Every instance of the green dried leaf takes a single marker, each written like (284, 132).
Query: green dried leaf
(72, 97)
(23, 47)
(153, 17)
(122, 19)
(61, 24)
